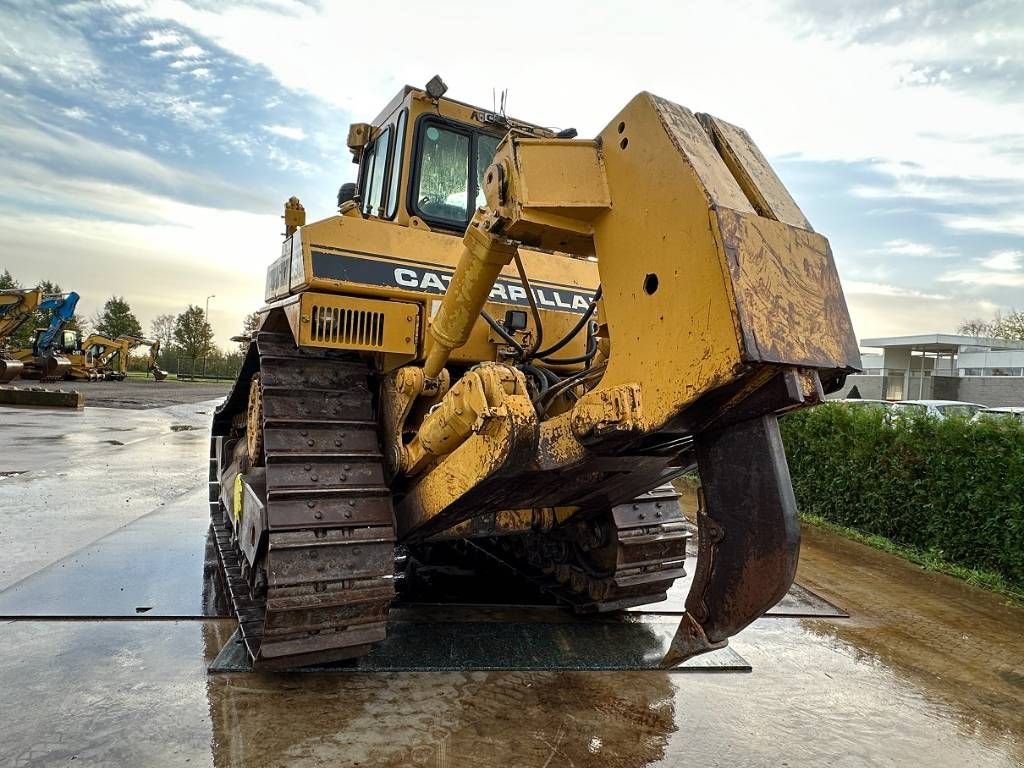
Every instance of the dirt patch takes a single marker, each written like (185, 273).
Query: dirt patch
(139, 394)
(181, 427)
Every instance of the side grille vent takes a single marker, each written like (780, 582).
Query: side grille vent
(351, 327)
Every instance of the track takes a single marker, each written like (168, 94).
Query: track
(322, 575)
(622, 558)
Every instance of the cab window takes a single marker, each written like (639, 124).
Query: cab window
(396, 166)
(376, 170)
(449, 166)
(443, 189)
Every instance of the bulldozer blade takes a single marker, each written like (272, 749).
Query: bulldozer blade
(748, 536)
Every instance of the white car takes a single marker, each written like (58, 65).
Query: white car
(1007, 412)
(863, 402)
(940, 409)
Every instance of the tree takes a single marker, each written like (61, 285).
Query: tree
(1009, 326)
(249, 326)
(193, 333)
(7, 281)
(162, 330)
(975, 327)
(116, 319)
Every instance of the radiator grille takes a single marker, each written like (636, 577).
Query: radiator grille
(351, 327)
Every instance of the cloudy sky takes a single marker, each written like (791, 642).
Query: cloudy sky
(146, 147)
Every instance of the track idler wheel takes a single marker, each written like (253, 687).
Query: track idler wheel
(748, 535)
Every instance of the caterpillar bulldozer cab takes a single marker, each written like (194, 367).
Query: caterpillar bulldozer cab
(510, 340)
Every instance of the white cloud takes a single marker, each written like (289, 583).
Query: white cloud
(885, 289)
(75, 113)
(287, 131)
(27, 142)
(1008, 223)
(31, 44)
(162, 39)
(1006, 261)
(903, 247)
(984, 278)
(191, 52)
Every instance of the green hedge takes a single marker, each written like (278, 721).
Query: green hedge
(952, 487)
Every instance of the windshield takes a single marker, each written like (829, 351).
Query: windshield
(960, 411)
(443, 190)
(910, 407)
(1001, 416)
(452, 162)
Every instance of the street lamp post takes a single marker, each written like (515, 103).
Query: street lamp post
(206, 319)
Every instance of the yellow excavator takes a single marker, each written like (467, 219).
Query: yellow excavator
(510, 340)
(100, 358)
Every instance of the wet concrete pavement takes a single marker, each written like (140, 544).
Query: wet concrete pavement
(926, 671)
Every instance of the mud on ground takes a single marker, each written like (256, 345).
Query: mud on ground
(140, 394)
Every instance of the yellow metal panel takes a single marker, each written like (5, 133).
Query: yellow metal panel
(561, 283)
(575, 182)
(668, 302)
(753, 173)
(347, 322)
(692, 143)
(383, 241)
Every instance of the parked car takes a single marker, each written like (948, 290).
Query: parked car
(1007, 413)
(881, 405)
(940, 409)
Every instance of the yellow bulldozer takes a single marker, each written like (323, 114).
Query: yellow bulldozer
(514, 339)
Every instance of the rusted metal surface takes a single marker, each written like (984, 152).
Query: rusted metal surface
(789, 301)
(760, 184)
(315, 583)
(748, 535)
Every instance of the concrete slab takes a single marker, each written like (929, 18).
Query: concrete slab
(67, 479)
(157, 566)
(42, 398)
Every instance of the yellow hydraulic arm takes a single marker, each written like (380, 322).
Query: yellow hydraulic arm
(17, 306)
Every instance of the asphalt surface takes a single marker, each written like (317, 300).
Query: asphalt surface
(139, 394)
(103, 510)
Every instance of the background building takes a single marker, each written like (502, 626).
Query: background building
(941, 367)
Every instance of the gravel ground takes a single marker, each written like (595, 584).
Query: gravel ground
(140, 393)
